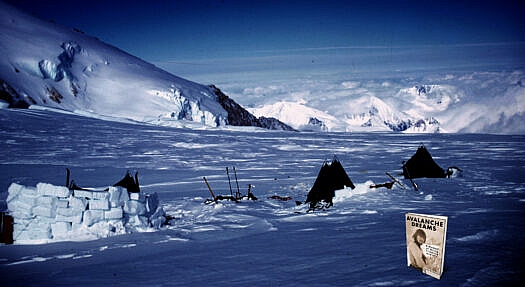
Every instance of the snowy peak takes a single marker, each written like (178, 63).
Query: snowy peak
(379, 115)
(366, 113)
(298, 115)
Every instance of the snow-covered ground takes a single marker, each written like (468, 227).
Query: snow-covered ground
(360, 241)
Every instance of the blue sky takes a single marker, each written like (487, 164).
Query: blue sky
(187, 30)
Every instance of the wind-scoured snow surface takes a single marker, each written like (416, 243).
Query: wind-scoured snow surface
(360, 241)
(48, 65)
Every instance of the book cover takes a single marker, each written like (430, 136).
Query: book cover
(426, 238)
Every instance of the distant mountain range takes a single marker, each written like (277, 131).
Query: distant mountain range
(374, 115)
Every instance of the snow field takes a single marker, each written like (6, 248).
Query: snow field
(360, 241)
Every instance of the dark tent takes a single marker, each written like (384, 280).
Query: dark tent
(421, 164)
(331, 177)
(130, 183)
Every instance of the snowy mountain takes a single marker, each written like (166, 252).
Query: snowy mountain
(298, 115)
(368, 114)
(478, 102)
(47, 65)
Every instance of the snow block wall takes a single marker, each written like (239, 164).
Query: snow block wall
(55, 213)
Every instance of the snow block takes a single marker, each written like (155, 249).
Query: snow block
(32, 230)
(77, 203)
(66, 211)
(60, 229)
(117, 196)
(20, 209)
(62, 203)
(20, 193)
(28, 197)
(124, 196)
(134, 207)
(31, 235)
(138, 196)
(44, 211)
(52, 190)
(13, 191)
(99, 195)
(114, 195)
(83, 194)
(99, 204)
(47, 201)
(76, 217)
(93, 216)
(138, 221)
(114, 213)
(21, 224)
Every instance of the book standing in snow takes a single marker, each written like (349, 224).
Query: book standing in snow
(426, 236)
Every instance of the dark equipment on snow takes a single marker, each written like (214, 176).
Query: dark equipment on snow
(130, 183)
(238, 194)
(236, 198)
(388, 185)
(229, 181)
(209, 188)
(421, 164)
(331, 177)
(250, 194)
(281, 198)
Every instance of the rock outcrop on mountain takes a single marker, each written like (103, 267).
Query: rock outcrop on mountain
(238, 116)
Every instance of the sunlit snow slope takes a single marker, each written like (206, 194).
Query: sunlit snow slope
(44, 64)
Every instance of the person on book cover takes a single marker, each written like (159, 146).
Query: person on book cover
(417, 258)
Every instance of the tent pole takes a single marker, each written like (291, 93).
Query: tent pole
(238, 189)
(410, 178)
(229, 181)
(68, 174)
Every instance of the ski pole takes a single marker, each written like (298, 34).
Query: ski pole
(209, 188)
(238, 189)
(228, 173)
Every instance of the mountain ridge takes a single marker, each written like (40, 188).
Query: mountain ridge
(49, 65)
